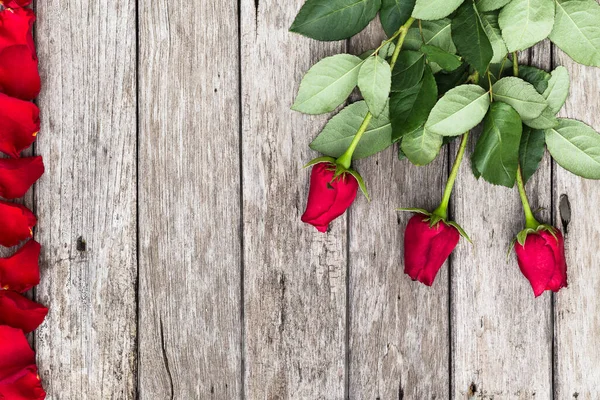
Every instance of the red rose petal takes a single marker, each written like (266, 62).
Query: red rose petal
(21, 271)
(17, 224)
(15, 3)
(15, 353)
(20, 312)
(26, 386)
(19, 75)
(17, 175)
(19, 125)
(16, 27)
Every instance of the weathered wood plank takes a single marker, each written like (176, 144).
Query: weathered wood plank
(577, 327)
(86, 201)
(295, 277)
(399, 343)
(189, 186)
(501, 335)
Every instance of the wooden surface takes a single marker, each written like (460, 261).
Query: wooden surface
(175, 264)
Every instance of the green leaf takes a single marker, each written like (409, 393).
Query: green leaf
(340, 130)
(537, 77)
(421, 146)
(492, 29)
(327, 84)
(435, 9)
(408, 70)
(546, 120)
(460, 110)
(576, 147)
(521, 95)
(448, 80)
(374, 82)
(447, 61)
(394, 13)
(410, 108)
(435, 33)
(334, 19)
(526, 22)
(558, 89)
(496, 154)
(490, 5)
(401, 155)
(386, 51)
(470, 38)
(531, 151)
(577, 30)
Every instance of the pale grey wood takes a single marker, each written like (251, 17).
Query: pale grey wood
(399, 343)
(295, 277)
(189, 187)
(501, 335)
(577, 327)
(87, 346)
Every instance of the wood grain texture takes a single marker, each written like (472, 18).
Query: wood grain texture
(189, 188)
(498, 329)
(398, 348)
(86, 201)
(295, 277)
(577, 325)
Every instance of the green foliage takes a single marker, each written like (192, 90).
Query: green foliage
(339, 131)
(410, 108)
(576, 147)
(394, 13)
(490, 5)
(327, 84)
(374, 82)
(521, 95)
(435, 33)
(421, 146)
(446, 61)
(460, 110)
(496, 155)
(531, 151)
(470, 37)
(558, 89)
(334, 19)
(448, 80)
(408, 70)
(490, 24)
(526, 22)
(435, 9)
(577, 30)
(537, 77)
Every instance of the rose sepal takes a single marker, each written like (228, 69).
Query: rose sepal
(435, 219)
(340, 170)
(522, 236)
(319, 160)
(360, 180)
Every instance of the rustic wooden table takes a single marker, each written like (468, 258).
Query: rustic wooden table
(174, 261)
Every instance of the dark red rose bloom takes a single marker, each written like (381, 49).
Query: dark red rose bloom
(328, 198)
(17, 175)
(20, 312)
(15, 3)
(19, 75)
(426, 248)
(19, 125)
(21, 271)
(18, 373)
(16, 27)
(17, 224)
(542, 261)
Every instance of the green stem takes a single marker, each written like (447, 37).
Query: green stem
(515, 64)
(530, 221)
(442, 210)
(345, 159)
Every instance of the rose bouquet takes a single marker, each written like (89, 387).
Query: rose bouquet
(447, 67)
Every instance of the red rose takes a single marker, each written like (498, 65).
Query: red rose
(19, 125)
(328, 197)
(16, 27)
(15, 3)
(542, 261)
(17, 175)
(21, 271)
(17, 224)
(19, 75)
(20, 312)
(24, 386)
(427, 247)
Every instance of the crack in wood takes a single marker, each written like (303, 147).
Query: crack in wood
(166, 358)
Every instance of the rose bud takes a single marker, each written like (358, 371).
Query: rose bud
(15, 3)
(20, 125)
(427, 246)
(16, 28)
(26, 385)
(15, 353)
(19, 75)
(17, 175)
(17, 224)
(21, 271)
(20, 312)
(541, 257)
(329, 195)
